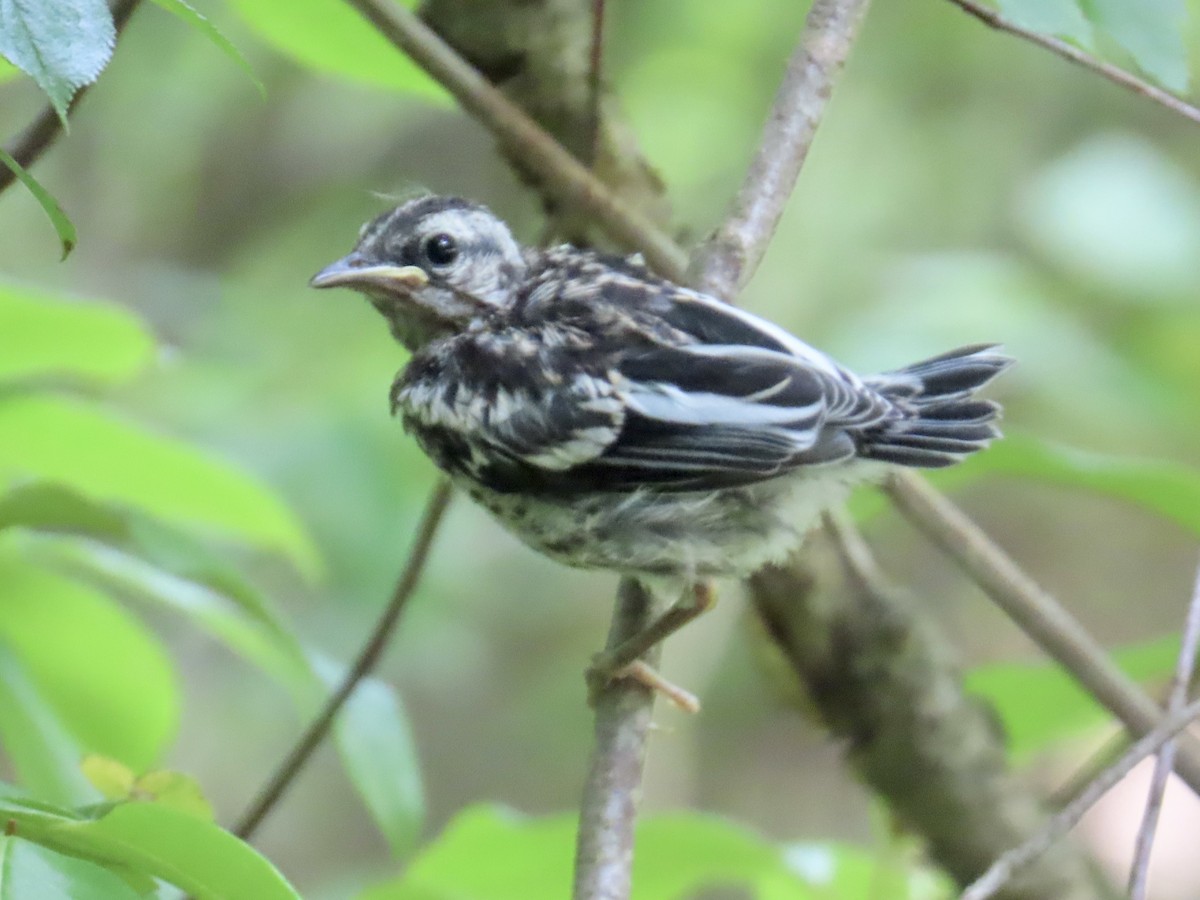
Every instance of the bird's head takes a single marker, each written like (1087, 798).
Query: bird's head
(431, 266)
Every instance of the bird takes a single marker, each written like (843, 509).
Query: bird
(613, 419)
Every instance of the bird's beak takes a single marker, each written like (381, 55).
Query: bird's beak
(356, 272)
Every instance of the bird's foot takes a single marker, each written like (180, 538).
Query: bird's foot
(601, 675)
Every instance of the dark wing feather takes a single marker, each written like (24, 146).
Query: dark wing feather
(736, 401)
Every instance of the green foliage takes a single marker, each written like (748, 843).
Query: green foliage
(1151, 31)
(156, 840)
(200, 23)
(62, 224)
(492, 853)
(62, 44)
(1039, 703)
(329, 36)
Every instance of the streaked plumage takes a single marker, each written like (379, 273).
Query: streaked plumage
(612, 419)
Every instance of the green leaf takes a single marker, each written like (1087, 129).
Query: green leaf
(1040, 703)
(372, 733)
(1152, 33)
(377, 749)
(28, 871)
(1061, 18)
(40, 437)
(105, 676)
(196, 856)
(41, 335)
(1168, 489)
(261, 641)
(329, 36)
(44, 754)
(62, 224)
(62, 44)
(491, 853)
(198, 21)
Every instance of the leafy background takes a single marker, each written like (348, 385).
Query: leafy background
(206, 503)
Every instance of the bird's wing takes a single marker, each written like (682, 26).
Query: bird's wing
(521, 412)
(701, 416)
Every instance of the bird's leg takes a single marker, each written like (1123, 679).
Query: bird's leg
(623, 660)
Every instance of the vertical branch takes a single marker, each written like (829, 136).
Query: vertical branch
(1140, 871)
(611, 794)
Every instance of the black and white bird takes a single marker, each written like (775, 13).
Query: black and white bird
(612, 419)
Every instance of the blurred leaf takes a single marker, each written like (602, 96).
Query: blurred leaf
(492, 853)
(1061, 18)
(175, 790)
(380, 757)
(94, 664)
(1116, 211)
(8, 70)
(198, 21)
(41, 334)
(40, 437)
(28, 871)
(1151, 31)
(62, 224)
(44, 754)
(1040, 703)
(51, 507)
(372, 733)
(249, 630)
(329, 36)
(109, 776)
(62, 44)
(195, 856)
(1168, 489)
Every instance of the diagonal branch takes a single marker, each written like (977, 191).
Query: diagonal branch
(1037, 613)
(368, 658)
(565, 177)
(1071, 53)
(1184, 669)
(726, 261)
(1007, 866)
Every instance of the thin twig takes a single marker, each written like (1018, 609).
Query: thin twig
(1003, 869)
(729, 257)
(565, 177)
(368, 657)
(1177, 699)
(36, 139)
(1069, 52)
(612, 792)
(1036, 611)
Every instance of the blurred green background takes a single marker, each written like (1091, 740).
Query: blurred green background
(964, 187)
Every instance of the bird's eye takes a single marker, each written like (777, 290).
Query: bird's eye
(441, 249)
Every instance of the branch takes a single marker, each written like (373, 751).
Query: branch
(564, 176)
(1018, 858)
(885, 682)
(1073, 54)
(368, 657)
(35, 140)
(1140, 871)
(727, 260)
(1037, 613)
(611, 794)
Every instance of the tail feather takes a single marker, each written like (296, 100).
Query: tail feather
(937, 420)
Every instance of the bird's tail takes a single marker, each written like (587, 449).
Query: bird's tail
(938, 421)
